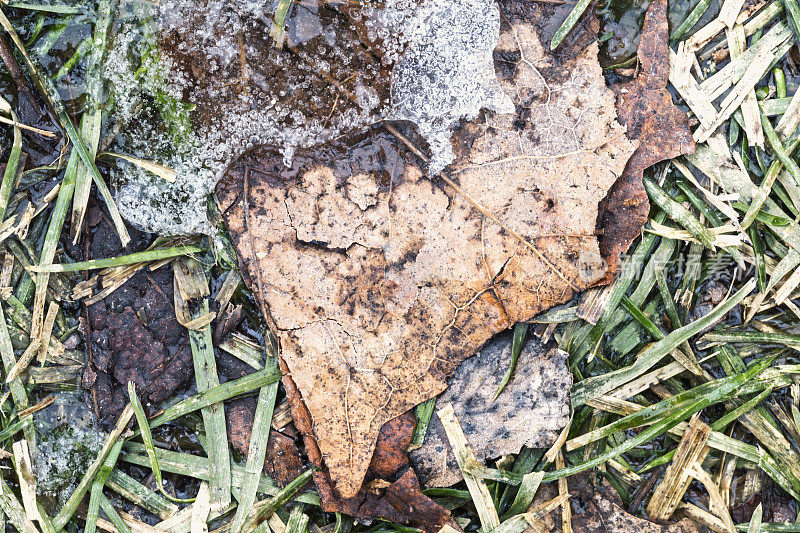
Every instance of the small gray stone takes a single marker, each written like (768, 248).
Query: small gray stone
(531, 410)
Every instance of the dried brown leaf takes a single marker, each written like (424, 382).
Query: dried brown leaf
(645, 106)
(401, 501)
(380, 281)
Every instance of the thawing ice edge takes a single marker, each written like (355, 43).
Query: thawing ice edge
(445, 74)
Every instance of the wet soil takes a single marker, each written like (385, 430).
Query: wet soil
(327, 66)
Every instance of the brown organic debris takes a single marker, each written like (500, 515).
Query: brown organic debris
(380, 281)
(598, 508)
(391, 490)
(283, 461)
(645, 106)
(605, 513)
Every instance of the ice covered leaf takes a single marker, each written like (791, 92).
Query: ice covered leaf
(447, 73)
(380, 280)
(531, 411)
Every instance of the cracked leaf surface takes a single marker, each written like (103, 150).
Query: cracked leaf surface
(380, 281)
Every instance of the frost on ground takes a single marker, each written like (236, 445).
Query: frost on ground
(447, 72)
(196, 84)
(67, 442)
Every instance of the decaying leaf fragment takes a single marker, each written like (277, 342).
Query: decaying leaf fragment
(380, 281)
(605, 513)
(598, 507)
(645, 106)
(531, 411)
(391, 490)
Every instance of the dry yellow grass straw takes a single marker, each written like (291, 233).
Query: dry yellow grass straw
(14, 510)
(24, 361)
(487, 513)
(692, 449)
(35, 408)
(12, 170)
(243, 349)
(282, 416)
(47, 331)
(563, 491)
(530, 521)
(697, 472)
(27, 483)
(702, 517)
(161, 171)
(737, 41)
(724, 479)
(594, 302)
(232, 281)
(187, 288)
(201, 509)
(43, 133)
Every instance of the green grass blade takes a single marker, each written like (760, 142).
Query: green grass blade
(691, 20)
(569, 22)
(97, 487)
(147, 438)
(520, 330)
(50, 93)
(596, 386)
(156, 254)
(257, 449)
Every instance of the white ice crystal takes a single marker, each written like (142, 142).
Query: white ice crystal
(67, 441)
(447, 72)
(443, 72)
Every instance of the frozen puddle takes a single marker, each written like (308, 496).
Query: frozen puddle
(196, 84)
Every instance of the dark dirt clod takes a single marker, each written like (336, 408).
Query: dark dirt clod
(135, 335)
(127, 349)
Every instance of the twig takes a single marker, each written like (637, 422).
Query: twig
(43, 133)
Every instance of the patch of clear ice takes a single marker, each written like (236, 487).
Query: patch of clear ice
(447, 72)
(443, 72)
